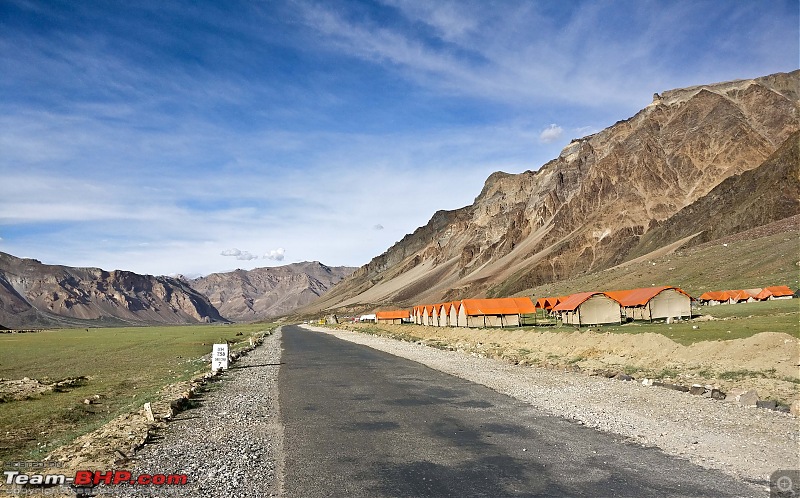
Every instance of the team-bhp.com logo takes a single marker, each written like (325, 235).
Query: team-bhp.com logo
(87, 479)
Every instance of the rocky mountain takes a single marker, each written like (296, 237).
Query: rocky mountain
(592, 207)
(751, 199)
(33, 295)
(263, 293)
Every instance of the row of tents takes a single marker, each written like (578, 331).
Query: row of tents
(583, 308)
(713, 298)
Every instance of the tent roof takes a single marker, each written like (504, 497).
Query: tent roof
(715, 296)
(575, 300)
(775, 291)
(392, 315)
(641, 296)
(499, 306)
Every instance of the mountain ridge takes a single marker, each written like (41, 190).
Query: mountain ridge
(588, 208)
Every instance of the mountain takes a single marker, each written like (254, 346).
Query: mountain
(740, 202)
(34, 295)
(592, 207)
(264, 293)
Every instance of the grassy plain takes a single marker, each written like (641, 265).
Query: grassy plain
(124, 366)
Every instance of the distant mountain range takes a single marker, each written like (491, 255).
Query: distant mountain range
(697, 163)
(35, 295)
(268, 292)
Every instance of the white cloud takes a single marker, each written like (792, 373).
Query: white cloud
(239, 255)
(275, 254)
(551, 134)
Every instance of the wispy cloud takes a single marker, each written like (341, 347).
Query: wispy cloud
(169, 138)
(551, 134)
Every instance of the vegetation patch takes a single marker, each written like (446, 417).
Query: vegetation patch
(121, 368)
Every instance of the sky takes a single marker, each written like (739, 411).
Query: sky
(191, 137)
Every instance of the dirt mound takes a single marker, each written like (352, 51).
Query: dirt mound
(26, 388)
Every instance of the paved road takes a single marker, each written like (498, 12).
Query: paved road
(362, 423)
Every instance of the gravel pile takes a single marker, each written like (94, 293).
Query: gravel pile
(749, 443)
(229, 446)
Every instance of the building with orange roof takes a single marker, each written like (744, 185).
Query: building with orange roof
(393, 317)
(497, 312)
(589, 308)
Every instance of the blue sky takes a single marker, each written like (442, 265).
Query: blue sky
(194, 137)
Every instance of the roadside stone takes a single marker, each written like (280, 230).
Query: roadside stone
(769, 404)
(748, 398)
(794, 408)
(697, 390)
(622, 376)
(717, 394)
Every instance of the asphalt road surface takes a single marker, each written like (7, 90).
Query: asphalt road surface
(363, 423)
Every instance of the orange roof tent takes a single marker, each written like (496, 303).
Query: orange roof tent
(648, 303)
(774, 292)
(392, 315)
(497, 312)
(547, 303)
(715, 296)
(585, 308)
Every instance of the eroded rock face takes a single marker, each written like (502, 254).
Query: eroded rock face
(35, 294)
(588, 209)
(264, 293)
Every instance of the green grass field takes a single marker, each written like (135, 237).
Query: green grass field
(125, 366)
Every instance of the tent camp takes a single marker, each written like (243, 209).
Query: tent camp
(589, 308)
(499, 312)
(394, 317)
(652, 303)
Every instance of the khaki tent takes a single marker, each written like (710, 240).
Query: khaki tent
(499, 312)
(392, 317)
(652, 303)
(589, 308)
(775, 292)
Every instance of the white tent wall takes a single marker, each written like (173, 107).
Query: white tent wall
(669, 303)
(453, 319)
(595, 310)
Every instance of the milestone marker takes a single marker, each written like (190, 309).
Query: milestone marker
(219, 357)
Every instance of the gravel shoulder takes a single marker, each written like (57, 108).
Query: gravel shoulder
(748, 443)
(231, 445)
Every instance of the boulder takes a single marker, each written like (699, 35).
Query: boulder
(717, 394)
(622, 376)
(769, 404)
(794, 408)
(697, 390)
(748, 398)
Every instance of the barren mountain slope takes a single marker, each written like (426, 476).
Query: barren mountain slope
(741, 202)
(33, 294)
(587, 209)
(264, 293)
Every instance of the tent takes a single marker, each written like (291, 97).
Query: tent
(498, 312)
(394, 317)
(652, 303)
(775, 292)
(589, 308)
